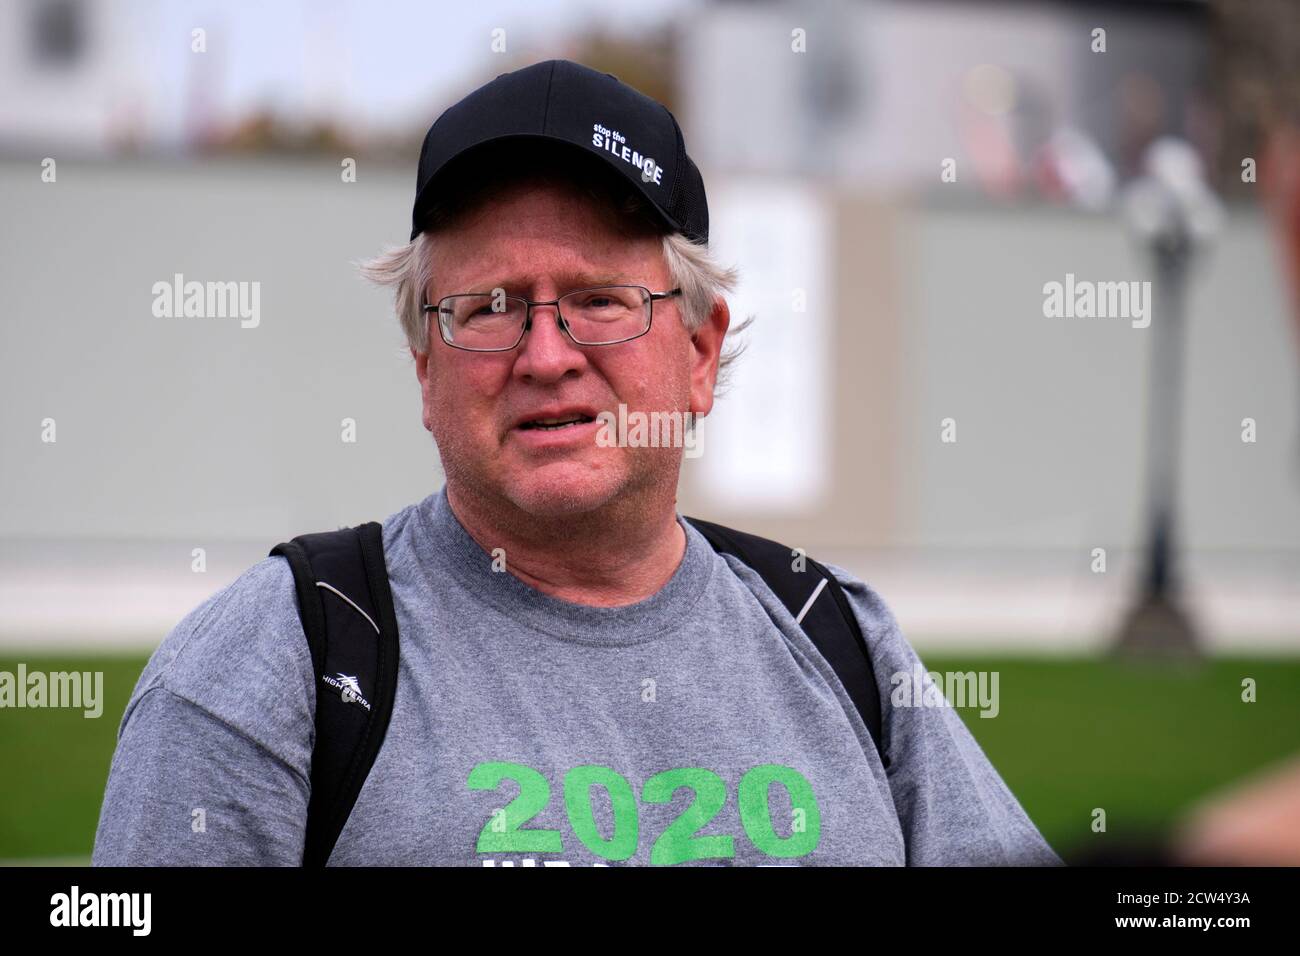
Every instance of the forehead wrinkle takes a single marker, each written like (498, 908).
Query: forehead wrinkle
(571, 271)
(581, 258)
(566, 281)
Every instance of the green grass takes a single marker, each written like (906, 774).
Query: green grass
(1141, 742)
(54, 762)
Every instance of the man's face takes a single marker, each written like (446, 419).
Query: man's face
(540, 241)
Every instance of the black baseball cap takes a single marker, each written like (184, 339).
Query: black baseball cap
(563, 102)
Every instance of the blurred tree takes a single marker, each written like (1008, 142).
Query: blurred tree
(265, 132)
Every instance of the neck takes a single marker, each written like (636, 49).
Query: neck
(617, 554)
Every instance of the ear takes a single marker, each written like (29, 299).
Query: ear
(706, 348)
(421, 360)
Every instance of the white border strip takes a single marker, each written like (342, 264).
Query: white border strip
(330, 587)
(816, 591)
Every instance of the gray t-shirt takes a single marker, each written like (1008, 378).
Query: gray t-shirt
(698, 726)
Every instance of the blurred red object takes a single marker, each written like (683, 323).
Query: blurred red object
(1279, 179)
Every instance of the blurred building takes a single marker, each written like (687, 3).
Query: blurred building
(71, 77)
(886, 90)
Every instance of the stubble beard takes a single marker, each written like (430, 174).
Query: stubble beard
(553, 509)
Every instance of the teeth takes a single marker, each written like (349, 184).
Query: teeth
(550, 424)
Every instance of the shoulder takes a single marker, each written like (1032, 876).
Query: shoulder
(863, 596)
(242, 657)
(954, 806)
(879, 626)
(771, 563)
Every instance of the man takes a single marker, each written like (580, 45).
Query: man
(582, 678)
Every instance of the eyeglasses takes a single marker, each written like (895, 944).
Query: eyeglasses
(491, 322)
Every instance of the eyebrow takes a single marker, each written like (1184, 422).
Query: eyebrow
(575, 281)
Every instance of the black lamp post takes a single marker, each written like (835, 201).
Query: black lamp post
(1173, 215)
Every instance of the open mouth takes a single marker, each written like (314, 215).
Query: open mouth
(555, 424)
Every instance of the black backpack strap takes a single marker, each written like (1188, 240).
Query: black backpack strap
(347, 613)
(827, 619)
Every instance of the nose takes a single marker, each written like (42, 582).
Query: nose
(547, 353)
